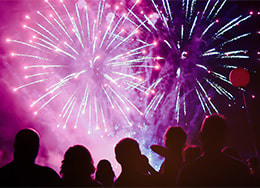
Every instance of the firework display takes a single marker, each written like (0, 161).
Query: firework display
(128, 68)
(199, 53)
(87, 58)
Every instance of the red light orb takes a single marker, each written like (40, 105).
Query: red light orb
(239, 77)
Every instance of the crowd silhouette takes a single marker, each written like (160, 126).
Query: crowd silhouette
(212, 163)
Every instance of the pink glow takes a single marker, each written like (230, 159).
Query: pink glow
(157, 67)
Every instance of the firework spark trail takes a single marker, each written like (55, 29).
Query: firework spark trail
(221, 6)
(86, 72)
(204, 26)
(205, 9)
(213, 8)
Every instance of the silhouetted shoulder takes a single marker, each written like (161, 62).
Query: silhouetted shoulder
(49, 175)
(219, 170)
(14, 174)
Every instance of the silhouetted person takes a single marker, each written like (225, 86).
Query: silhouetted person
(129, 157)
(77, 168)
(190, 153)
(105, 173)
(231, 152)
(174, 140)
(214, 168)
(23, 171)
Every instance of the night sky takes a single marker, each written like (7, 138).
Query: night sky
(244, 128)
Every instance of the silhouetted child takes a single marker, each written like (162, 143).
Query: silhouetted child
(214, 168)
(105, 173)
(23, 171)
(190, 153)
(77, 168)
(174, 140)
(129, 157)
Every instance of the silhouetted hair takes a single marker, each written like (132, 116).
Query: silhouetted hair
(127, 150)
(105, 173)
(26, 145)
(77, 164)
(175, 137)
(213, 130)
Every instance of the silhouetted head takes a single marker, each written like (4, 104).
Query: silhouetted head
(77, 165)
(104, 165)
(26, 145)
(231, 152)
(190, 153)
(213, 132)
(105, 173)
(175, 138)
(128, 153)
